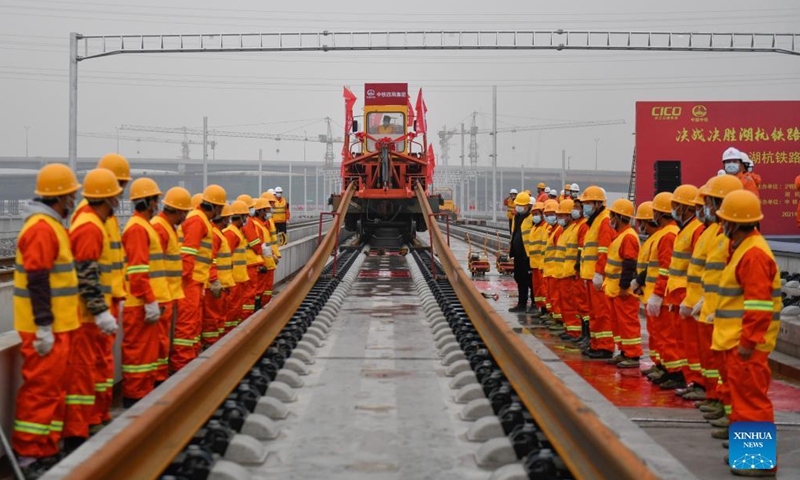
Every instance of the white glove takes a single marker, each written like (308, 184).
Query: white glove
(152, 312)
(266, 251)
(44, 340)
(685, 310)
(106, 322)
(654, 305)
(216, 288)
(710, 318)
(634, 285)
(697, 308)
(597, 280)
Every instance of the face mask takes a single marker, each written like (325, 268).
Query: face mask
(252, 211)
(576, 214)
(537, 219)
(562, 222)
(520, 209)
(728, 230)
(642, 229)
(550, 219)
(675, 215)
(614, 224)
(267, 216)
(588, 209)
(711, 217)
(278, 195)
(732, 168)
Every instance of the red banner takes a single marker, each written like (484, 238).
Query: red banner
(422, 109)
(349, 101)
(385, 93)
(696, 134)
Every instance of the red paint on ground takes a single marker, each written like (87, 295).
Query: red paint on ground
(628, 388)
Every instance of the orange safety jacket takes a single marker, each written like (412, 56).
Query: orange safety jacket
(255, 238)
(145, 275)
(173, 264)
(90, 243)
(197, 242)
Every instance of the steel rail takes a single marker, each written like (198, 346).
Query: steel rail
(145, 447)
(589, 448)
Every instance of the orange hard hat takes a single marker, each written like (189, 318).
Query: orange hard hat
(740, 206)
(247, 199)
(622, 206)
(144, 187)
(566, 206)
(239, 208)
(541, 185)
(593, 193)
(685, 194)
(663, 202)
(698, 200)
(117, 164)
(226, 210)
(178, 198)
(270, 197)
(56, 179)
(550, 206)
(197, 199)
(568, 186)
(644, 211)
(261, 203)
(214, 194)
(100, 183)
(721, 185)
(538, 206)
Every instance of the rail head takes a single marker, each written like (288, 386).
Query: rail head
(143, 444)
(589, 448)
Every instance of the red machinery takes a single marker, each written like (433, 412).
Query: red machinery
(386, 160)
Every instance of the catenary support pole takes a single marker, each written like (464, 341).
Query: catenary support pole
(205, 152)
(494, 153)
(73, 101)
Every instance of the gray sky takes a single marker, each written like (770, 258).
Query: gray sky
(292, 92)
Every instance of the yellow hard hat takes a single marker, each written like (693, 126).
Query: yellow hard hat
(541, 185)
(178, 198)
(522, 199)
(117, 164)
(247, 199)
(568, 186)
(56, 179)
(226, 210)
(239, 208)
(644, 211)
(593, 193)
(566, 206)
(538, 206)
(144, 187)
(550, 206)
(528, 192)
(740, 206)
(663, 202)
(684, 194)
(270, 197)
(698, 200)
(100, 183)
(622, 206)
(721, 185)
(261, 203)
(197, 199)
(214, 194)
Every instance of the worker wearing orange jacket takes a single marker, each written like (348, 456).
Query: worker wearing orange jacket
(269, 250)
(45, 317)
(536, 258)
(177, 204)
(93, 260)
(645, 225)
(592, 268)
(566, 274)
(148, 292)
(747, 316)
(623, 254)
(197, 257)
(733, 164)
(253, 232)
(655, 289)
(551, 262)
(580, 292)
(282, 213)
(215, 306)
(541, 193)
(508, 202)
(104, 385)
(238, 246)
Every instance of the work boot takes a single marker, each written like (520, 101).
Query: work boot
(517, 309)
(696, 394)
(721, 434)
(671, 384)
(600, 354)
(616, 359)
(557, 326)
(649, 370)
(658, 379)
(93, 429)
(566, 337)
(712, 406)
(39, 467)
(700, 403)
(129, 402)
(632, 362)
(72, 443)
(679, 392)
(723, 422)
(715, 415)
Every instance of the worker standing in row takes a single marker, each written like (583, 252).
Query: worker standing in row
(148, 294)
(220, 275)
(177, 204)
(510, 208)
(45, 317)
(551, 263)
(91, 247)
(281, 211)
(570, 327)
(238, 245)
(197, 257)
(580, 290)
(733, 164)
(536, 259)
(517, 251)
(254, 236)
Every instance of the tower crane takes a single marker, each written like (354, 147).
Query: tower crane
(116, 136)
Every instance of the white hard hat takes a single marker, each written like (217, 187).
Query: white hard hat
(562, 192)
(746, 159)
(514, 191)
(547, 190)
(532, 201)
(553, 192)
(731, 154)
(278, 190)
(271, 190)
(721, 172)
(575, 188)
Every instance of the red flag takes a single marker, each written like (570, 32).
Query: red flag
(349, 101)
(422, 125)
(431, 164)
(410, 114)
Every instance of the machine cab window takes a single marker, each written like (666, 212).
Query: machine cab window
(386, 124)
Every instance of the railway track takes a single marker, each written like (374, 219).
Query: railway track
(374, 362)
